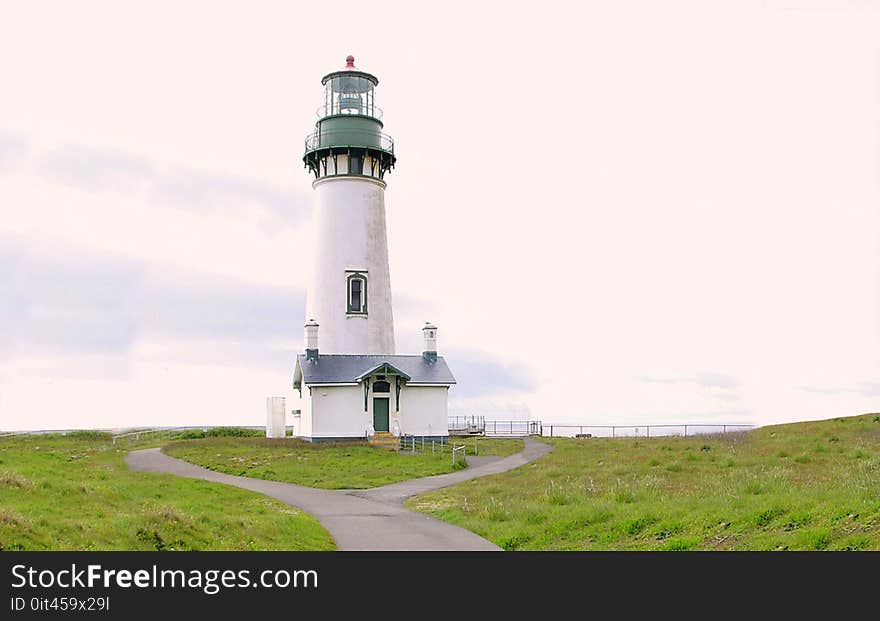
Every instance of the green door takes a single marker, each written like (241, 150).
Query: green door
(380, 414)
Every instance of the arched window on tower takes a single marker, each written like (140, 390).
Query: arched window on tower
(356, 293)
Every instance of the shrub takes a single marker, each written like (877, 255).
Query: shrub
(514, 542)
(797, 520)
(625, 496)
(637, 525)
(232, 432)
(818, 539)
(496, 512)
(768, 515)
(754, 487)
(858, 542)
(89, 435)
(681, 544)
(555, 495)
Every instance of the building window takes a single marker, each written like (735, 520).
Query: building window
(356, 293)
(381, 386)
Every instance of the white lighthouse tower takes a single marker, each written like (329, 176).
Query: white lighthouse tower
(352, 385)
(349, 292)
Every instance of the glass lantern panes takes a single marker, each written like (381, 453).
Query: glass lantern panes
(349, 94)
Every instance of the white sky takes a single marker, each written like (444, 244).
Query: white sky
(621, 212)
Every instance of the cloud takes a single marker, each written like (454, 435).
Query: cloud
(200, 306)
(716, 380)
(68, 301)
(867, 389)
(97, 170)
(63, 304)
(705, 379)
(208, 191)
(480, 374)
(102, 170)
(870, 389)
(12, 149)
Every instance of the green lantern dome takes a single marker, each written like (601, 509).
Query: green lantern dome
(349, 126)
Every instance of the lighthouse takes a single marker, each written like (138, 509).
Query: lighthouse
(349, 290)
(351, 383)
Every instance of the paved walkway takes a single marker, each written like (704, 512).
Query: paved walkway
(368, 519)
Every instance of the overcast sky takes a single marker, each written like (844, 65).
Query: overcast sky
(616, 212)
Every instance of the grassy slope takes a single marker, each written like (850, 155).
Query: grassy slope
(75, 493)
(328, 466)
(806, 486)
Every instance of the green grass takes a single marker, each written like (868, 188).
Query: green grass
(351, 465)
(804, 486)
(75, 492)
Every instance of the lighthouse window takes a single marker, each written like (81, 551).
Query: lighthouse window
(357, 293)
(356, 165)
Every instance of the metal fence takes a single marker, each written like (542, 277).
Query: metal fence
(459, 447)
(478, 425)
(635, 431)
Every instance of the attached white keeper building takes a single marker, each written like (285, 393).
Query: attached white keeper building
(359, 396)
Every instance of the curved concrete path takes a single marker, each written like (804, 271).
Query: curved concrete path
(367, 519)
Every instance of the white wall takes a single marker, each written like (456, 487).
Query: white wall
(349, 234)
(423, 410)
(305, 417)
(338, 412)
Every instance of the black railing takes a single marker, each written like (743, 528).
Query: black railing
(349, 138)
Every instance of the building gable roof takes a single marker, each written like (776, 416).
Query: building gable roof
(352, 368)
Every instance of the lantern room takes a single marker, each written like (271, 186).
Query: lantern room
(348, 138)
(349, 91)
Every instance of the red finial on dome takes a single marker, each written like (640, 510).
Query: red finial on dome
(349, 62)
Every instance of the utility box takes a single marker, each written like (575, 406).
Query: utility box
(275, 409)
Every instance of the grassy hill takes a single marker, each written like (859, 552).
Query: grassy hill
(74, 492)
(804, 486)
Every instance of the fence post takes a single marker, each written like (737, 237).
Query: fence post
(613, 432)
(685, 431)
(475, 445)
(551, 431)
